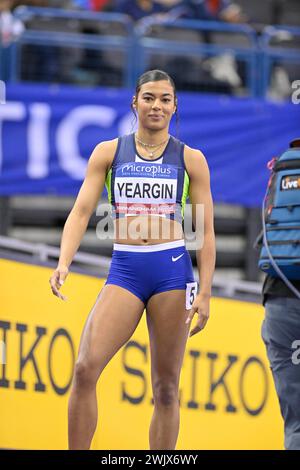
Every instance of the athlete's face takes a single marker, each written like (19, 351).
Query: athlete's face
(155, 104)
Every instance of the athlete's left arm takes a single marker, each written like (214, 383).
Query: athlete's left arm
(201, 199)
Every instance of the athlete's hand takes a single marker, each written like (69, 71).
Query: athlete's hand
(57, 279)
(200, 306)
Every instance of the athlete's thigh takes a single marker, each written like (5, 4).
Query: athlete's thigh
(110, 324)
(168, 333)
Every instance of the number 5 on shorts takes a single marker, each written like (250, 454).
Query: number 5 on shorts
(190, 294)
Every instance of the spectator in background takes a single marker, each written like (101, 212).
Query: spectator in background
(138, 9)
(30, 3)
(10, 27)
(209, 10)
(223, 10)
(222, 68)
(91, 63)
(93, 5)
(40, 63)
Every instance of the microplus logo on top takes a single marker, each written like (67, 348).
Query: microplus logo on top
(144, 169)
(144, 183)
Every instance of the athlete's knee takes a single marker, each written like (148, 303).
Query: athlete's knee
(165, 392)
(85, 374)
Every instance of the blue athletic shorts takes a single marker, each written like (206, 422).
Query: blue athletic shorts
(149, 269)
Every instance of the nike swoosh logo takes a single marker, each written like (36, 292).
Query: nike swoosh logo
(177, 257)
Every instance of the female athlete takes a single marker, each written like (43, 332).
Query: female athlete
(148, 175)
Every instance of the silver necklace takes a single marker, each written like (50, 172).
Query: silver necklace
(150, 145)
(158, 146)
(152, 153)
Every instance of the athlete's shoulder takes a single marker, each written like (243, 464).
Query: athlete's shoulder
(195, 160)
(189, 151)
(103, 155)
(194, 155)
(107, 146)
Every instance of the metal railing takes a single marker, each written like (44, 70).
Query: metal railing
(270, 53)
(4, 62)
(247, 53)
(137, 43)
(107, 42)
(41, 253)
(1, 61)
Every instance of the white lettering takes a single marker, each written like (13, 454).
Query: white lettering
(288, 184)
(194, 226)
(67, 136)
(112, 460)
(296, 93)
(154, 169)
(127, 124)
(38, 145)
(296, 354)
(2, 92)
(139, 190)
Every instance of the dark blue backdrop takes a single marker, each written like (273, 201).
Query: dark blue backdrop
(48, 132)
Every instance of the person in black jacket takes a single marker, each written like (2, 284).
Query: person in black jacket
(281, 335)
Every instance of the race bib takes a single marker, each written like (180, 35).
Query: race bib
(190, 294)
(145, 188)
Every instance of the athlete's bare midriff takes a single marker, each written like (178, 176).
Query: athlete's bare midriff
(147, 230)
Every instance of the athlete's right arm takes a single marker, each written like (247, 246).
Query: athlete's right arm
(85, 204)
